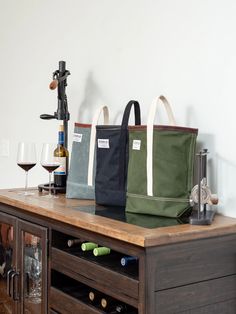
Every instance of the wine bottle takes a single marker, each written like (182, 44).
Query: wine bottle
(88, 246)
(127, 260)
(113, 306)
(95, 296)
(99, 251)
(121, 308)
(73, 242)
(61, 156)
(108, 303)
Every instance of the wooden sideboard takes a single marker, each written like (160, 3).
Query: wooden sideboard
(180, 268)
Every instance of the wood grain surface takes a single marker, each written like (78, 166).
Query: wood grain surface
(64, 210)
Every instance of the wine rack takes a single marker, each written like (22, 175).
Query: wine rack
(111, 261)
(76, 295)
(74, 273)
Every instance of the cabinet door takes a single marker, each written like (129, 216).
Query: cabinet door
(32, 240)
(7, 263)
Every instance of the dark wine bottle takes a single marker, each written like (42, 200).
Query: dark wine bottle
(121, 308)
(113, 306)
(61, 156)
(127, 260)
(108, 304)
(74, 242)
(95, 297)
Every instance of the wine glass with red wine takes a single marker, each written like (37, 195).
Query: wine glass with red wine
(26, 159)
(48, 162)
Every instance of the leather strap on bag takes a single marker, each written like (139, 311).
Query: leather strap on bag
(150, 123)
(96, 117)
(124, 137)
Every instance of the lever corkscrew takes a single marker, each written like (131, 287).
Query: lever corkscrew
(60, 82)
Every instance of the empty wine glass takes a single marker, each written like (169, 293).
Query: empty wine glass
(48, 162)
(26, 159)
(35, 276)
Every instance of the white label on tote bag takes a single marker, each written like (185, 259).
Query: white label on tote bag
(103, 143)
(77, 137)
(136, 144)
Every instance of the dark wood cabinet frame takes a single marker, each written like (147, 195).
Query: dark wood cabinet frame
(197, 276)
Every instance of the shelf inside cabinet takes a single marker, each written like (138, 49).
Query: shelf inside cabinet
(111, 261)
(96, 276)
(68, 295)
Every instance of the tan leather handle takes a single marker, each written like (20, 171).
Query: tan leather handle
(96, 117)
(150, 122)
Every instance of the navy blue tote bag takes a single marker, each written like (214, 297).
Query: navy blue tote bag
(112, 159)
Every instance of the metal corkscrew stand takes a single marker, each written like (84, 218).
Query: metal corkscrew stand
(60, 82)
(201, 194)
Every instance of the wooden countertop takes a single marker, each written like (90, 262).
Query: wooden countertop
(62, 209)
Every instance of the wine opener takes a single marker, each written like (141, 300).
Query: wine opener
(60, 82)
(201, 195)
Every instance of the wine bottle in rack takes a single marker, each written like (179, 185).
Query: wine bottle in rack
(121, 308)
(111, 305)
(95, 297)
(74, 242)
(88, 246)
(128, 260)
(108, 303)
(61, 156)
(99, 251)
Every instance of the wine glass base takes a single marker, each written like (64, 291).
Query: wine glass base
(54, 189)
(34, 299)
(25, 193)
(50, 196)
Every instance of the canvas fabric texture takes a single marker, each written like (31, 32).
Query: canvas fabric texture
(160, 172)
(81, 177)
(112, 159)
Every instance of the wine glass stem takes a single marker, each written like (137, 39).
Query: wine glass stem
(26, 181)
(50, 182)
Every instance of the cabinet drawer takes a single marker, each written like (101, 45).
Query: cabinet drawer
(195, 261)
(193, 298)
(226, 307)
(94, 274)
(66, 304)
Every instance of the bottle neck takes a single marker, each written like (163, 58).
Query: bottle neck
(61, 138)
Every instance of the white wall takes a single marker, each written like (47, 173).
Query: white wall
(119, 50)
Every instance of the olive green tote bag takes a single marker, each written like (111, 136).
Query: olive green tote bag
(160, 170)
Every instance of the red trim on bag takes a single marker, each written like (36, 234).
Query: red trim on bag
(165, 128)
(82, 125)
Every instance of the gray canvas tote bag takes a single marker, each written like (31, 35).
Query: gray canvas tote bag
(80, 182)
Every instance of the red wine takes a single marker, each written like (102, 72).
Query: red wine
(50, 167)
(26, 165)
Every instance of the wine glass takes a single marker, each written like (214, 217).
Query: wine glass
(48, 162)
(35, 275)
(26, 159)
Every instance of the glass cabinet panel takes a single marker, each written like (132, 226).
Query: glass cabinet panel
(32, 270)
(23, 266)
(7, 261)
